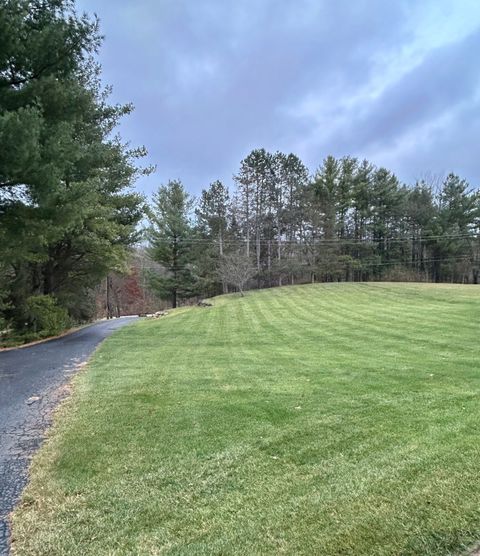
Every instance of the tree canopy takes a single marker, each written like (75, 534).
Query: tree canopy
(67, 210)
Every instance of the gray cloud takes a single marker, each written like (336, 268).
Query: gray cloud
(213, 79)
(445, 79)
(444, 147)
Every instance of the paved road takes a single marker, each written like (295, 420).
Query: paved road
(31, 381)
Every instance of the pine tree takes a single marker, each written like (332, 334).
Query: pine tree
(212, 213)
(66, 212)
(171, 238)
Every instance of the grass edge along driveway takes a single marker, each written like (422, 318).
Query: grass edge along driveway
(329, 419)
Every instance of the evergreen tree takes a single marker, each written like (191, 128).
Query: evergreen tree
(172, 243)
(453, 229)
(326, 193)
(67, 213)
(255, 180)
(212, 220)
(212, 213)
(419, 214)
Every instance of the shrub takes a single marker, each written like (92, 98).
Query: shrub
(402, 274)
(45, 317)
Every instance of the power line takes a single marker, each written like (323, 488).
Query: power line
(319, 241)
(364, 264)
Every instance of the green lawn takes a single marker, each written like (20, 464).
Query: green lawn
(328, 420)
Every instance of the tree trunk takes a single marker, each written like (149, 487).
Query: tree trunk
(109, 298)
(118, 310)
(258, 245)
(220, 241)
(48, 278)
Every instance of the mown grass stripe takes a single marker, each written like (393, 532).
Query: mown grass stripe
(328, 419)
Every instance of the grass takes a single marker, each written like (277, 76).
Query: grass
(10, 339)
(331, 419)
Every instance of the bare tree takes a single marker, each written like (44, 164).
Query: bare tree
(236, 269)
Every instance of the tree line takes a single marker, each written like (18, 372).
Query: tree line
(349, 221)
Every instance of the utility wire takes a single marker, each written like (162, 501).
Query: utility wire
(364, 264)
(319, 241)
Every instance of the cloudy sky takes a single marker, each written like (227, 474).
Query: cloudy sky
(395, 81)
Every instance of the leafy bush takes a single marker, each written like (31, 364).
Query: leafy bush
(45, 317)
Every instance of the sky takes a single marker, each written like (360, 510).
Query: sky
(393, 81)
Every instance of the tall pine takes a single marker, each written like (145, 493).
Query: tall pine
(172, 243)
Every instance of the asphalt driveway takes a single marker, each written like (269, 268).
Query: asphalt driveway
(32, 382)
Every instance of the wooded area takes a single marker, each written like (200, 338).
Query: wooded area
(350, 221)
